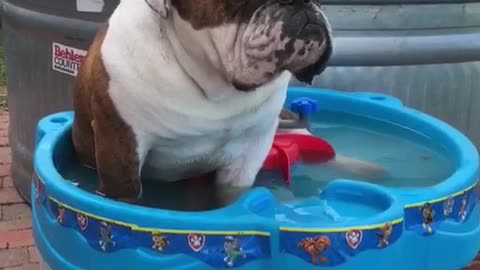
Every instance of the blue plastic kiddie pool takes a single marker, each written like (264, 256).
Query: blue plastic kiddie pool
(423, 215)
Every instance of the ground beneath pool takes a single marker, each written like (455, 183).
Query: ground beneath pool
(17, 249)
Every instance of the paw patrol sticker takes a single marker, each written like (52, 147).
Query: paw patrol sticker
(424, 218)
(36, 182)
(39, 189)
(216, 249)
(463, 207)
(334, 248)
(221, 251)
(106, 237)
(448, 207)
(61, 215)
(427, 217)
(384, 235)
(315, 247)
(160, 242)
(82, 221)
(354, 238)
(196, 241)
(233, 250)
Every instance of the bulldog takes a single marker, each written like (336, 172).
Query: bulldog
(173, 89)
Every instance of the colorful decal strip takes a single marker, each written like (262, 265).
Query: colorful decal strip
(40, 193)
(322, 247)
(334, 247)
(425, 217)
(217, 249)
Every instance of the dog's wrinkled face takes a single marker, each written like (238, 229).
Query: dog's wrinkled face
(253, 41)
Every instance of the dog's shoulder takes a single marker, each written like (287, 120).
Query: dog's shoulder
(137, 51)
(93, 68)
(92, 75)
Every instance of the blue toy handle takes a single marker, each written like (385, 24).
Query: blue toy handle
(304, 106)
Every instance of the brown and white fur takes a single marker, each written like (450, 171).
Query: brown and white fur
(172, 89)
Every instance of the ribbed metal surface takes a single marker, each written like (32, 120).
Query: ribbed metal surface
(390, 16)
(34, 88)
(425, 53)
(450, 92)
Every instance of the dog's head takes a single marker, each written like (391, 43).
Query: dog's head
(252, 41)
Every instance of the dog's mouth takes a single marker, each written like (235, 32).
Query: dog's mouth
(244, 87)
(312, 48)
(307, 73)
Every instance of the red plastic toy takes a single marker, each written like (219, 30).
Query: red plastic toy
(287, 149)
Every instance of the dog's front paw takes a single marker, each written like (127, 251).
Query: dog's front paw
(360, 168)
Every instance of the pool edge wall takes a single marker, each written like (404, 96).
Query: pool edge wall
(457, 235)
(49, 235)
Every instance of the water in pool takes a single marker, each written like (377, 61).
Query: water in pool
(409, 159)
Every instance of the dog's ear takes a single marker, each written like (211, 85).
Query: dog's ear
(162, 7)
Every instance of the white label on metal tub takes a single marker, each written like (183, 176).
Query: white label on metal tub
(90, 5)
(67, 59)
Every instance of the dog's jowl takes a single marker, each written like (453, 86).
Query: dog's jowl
(173, 89)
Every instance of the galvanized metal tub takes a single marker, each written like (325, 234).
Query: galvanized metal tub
(426, 53)
(43, 42)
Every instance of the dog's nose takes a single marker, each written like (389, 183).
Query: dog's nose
(304, 21)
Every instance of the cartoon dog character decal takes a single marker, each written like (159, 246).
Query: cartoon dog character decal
(384, 235)
(61, 214)
(37, 189)
(463, 208)
(106, 236)
(427, 214)
(160, 242)
(448, 207)
(82, 221)
(315, 247)
(233, 250)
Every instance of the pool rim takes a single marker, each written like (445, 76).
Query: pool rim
(467, 156)
(246, 221)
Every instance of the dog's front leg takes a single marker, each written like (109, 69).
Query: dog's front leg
(239, 176)
(118, 154)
